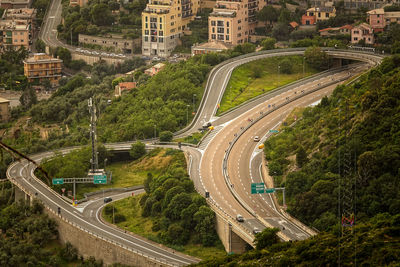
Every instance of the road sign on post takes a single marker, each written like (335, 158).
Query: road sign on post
(270, 190)
(257, 188)
(273, 131)
(100, 179)
(58, 180)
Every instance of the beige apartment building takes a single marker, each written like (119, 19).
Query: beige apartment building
(14, 34)
(41, 67)
(232, 22)
(163, 23)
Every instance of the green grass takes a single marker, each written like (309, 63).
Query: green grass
(194, 138)
(244, 86)
(135, 223)
(123, 175)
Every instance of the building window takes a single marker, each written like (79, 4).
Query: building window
(147, 25)
(213, 23)
(172, 23)
(227, 31)
(161, 33)
(239, 28)
(319, 14)
(160, 40)
(160, 20)
(213, 36)
(227, 37)
(213, 30)
(146, 39)
(160, 26)
(355, 38)
(146, 32)
(327, 15)
(220, 23)
(153, 19)
(220, 37)
(227, 24)
(220, 30)
(239, 21)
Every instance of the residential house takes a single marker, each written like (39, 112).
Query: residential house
(232, 22)
(154, 69)
(334, 31)
(22, 14)
(361, 32)
(163, 23)
(210, 47)
(42, 67)
(4, 109)
(80, 3)
(379, 19)
(316, 14)
(124, 86)
(353, 5)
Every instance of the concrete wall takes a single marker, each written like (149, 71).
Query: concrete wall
(231, 241)
(91, 245)
(93, 59)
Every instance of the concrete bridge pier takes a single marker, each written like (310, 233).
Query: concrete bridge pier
(337, 62)
(232, 242)
(22, 196)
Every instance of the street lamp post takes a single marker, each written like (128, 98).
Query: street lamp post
(279, 68)
(155, 131)
(187, 114)
(194, 97)
(304, 58)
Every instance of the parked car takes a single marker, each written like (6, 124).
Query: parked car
(256, 138)
(206, 125)
(256, 230)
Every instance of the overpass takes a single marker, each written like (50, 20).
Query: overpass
(234, 235)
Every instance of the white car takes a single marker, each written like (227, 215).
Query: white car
(256, 138)
(113, 55)
(104, 54)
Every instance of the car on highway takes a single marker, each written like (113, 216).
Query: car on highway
(104, 54)
(206, 125)
(239, 218)
(113, 55)
(256, 230)
(107, 199)
(256, 138)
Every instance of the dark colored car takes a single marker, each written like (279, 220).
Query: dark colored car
(107, 199)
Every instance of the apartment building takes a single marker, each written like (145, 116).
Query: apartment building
(80, 3)
(27, 14)
(41, 67)
(354, 5)
(364, 32)
(316, 14)
(15, 3)
(14, 34)
(232, 22)
(4, 109)
(379, 19)
(163, 23)
(117, 42)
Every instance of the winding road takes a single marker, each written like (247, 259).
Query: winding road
(229, 187)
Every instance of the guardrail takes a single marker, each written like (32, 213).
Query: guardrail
(14, 181)
(238, 135)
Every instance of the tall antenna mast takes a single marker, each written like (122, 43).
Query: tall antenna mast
(93, 135)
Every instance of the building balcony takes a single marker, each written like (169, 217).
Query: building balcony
(155, 11)
(44, 76)
(223, 13)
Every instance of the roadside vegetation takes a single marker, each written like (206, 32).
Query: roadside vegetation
(356, 126)
(260, 76)
(29, 236)
(170, 212)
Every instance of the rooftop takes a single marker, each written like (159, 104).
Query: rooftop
(3, 100)
(322, 9)
(213, 46)
(19, 12)
(377, 11)
(41, 58)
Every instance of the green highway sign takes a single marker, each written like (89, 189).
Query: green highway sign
(273, 131)
(100, 179)
(270, 190)
(257, 188)
(58, 180)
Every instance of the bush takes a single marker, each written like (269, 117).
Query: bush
(166, 136)
(138, 150)
(119, 218)
(286, 66)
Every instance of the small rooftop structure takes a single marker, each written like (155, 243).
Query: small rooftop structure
(209, 47)
(155, 69)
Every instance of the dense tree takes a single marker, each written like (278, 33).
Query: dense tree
(266, 238)
(268, 43)
(101, 15)
(138, 150)
(268, 14)
(166, 136)
(317, 58)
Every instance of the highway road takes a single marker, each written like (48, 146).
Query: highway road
(205, 163)
(22, 173)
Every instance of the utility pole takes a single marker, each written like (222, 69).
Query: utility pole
(93, 135)
(304, 58)
(155, 131)
(187, 114)
(279, 68)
